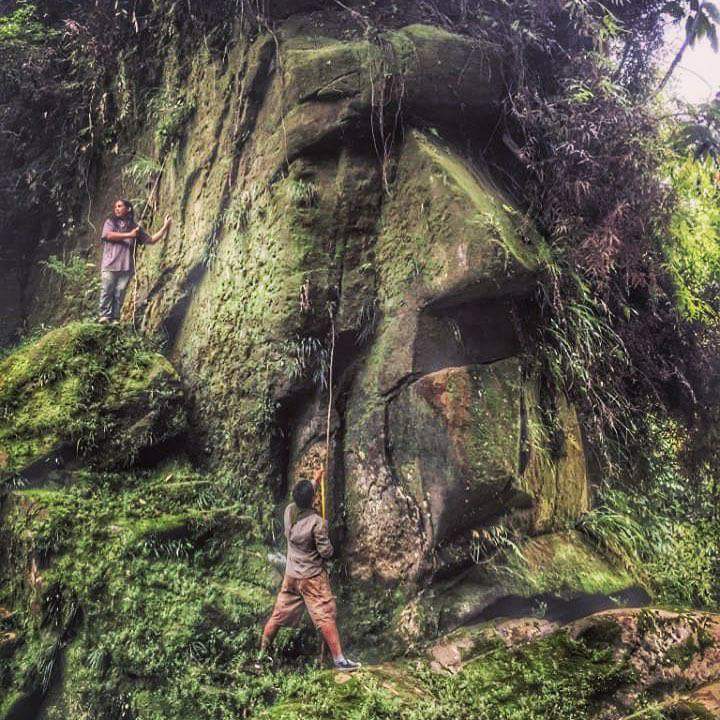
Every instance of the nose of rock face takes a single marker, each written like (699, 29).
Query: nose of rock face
(452, 452)
(454, 439)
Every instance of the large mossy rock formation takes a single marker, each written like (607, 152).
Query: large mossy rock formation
(331, 206)
(330, 199)
(341, 212)
(85, 392)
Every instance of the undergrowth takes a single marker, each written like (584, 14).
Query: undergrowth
(137, 614)
(664, 526)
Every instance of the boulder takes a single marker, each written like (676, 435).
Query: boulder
(85, 391)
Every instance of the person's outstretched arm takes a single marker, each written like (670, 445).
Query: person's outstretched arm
(161, 233)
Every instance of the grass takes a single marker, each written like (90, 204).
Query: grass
(308, 359)
(663, 528)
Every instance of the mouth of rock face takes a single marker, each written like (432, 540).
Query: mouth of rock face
(555, 608)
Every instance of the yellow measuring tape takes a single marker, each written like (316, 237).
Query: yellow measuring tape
(323, 493)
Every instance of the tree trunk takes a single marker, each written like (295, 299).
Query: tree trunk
(677, 58)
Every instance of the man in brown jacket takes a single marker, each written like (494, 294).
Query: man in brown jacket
(306, 582)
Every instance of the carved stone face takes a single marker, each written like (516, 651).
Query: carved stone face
(339, 212)
(443, 434)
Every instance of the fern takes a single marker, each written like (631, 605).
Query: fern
(141, 171)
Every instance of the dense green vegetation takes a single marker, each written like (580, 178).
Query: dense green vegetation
(664, 525)
(139, 581)
(693, 245)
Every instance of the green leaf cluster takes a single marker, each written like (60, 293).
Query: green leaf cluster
(692, 248)
(22, 26)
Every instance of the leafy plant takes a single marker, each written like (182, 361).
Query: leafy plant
(21, 27)
(367, 321)
(142, 170)
(693, 245)
(173, 111)
(664, 531)
(304, 193)
(699, 131)
(79, 281)
(308, 358)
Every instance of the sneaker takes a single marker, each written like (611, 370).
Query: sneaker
(263, 660)
(347, 665)
(104, 320)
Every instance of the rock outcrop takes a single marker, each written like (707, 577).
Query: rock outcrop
(84, 393)
(343, 221)
(328, 198)
(640, 664)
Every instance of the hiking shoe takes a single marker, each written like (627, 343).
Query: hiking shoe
(263, 660)
(104, 320)
(347, 665)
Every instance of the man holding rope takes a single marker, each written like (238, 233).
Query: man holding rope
(306, 582)
(120, 235)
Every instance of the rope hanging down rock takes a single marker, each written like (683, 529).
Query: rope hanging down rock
(135, 245)
(323, 477)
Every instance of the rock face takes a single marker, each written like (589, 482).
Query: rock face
(329, 218)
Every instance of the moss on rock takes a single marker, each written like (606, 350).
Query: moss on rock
(85, 390)
(123, 584)
(445, 225)
(555, 678)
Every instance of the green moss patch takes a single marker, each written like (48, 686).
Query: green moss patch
(85, 389)
(149, 592)
(562, 563)
(445, 223)
(555, 678)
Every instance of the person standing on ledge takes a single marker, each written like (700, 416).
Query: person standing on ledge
(120, 234)
(306, 582)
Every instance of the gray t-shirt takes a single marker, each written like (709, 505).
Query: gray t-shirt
(308, 543)
(118, 254)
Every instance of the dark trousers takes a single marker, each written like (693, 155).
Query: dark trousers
(113, 285)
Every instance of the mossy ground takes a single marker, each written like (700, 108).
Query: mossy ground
(150, 587)
(554, 679)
